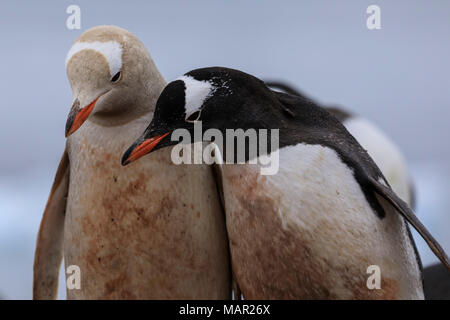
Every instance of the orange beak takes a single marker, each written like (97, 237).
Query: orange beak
(78, 116)
(141, 149)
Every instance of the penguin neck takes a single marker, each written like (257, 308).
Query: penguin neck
(115, 132)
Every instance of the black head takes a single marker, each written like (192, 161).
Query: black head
(220, 98)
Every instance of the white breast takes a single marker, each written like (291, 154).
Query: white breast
(150, 230)
(311, 222)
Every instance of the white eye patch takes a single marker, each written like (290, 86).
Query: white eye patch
(111, 50)
(196, 93)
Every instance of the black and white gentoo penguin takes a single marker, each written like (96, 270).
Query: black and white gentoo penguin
(319, 226)
(152, 230)
(386, 154)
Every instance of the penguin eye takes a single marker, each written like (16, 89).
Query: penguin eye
(194, 116)
(116, 77)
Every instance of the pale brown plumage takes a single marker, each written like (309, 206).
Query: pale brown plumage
(152, 230)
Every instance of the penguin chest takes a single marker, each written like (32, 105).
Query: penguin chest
(148, 230)
(308, 232)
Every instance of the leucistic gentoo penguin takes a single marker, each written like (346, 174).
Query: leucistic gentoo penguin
(380, 147)
(313, 228)
(152, 230)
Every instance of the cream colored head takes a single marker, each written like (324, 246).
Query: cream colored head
(113, 78)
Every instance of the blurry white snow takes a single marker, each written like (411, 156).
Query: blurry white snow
(22, 201)
(23, 198)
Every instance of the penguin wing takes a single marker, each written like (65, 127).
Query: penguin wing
(49, 246)
(401, 207)
(218, 176)
(315, 125)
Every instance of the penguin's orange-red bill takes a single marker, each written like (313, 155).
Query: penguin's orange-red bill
(78, 116)
(143, 148)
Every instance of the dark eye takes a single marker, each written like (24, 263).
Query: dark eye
(193, 116)
(116, 77)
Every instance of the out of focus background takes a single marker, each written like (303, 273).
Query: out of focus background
(397, 76)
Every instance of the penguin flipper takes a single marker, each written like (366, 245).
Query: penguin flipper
(49, 246)
(403, 208)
